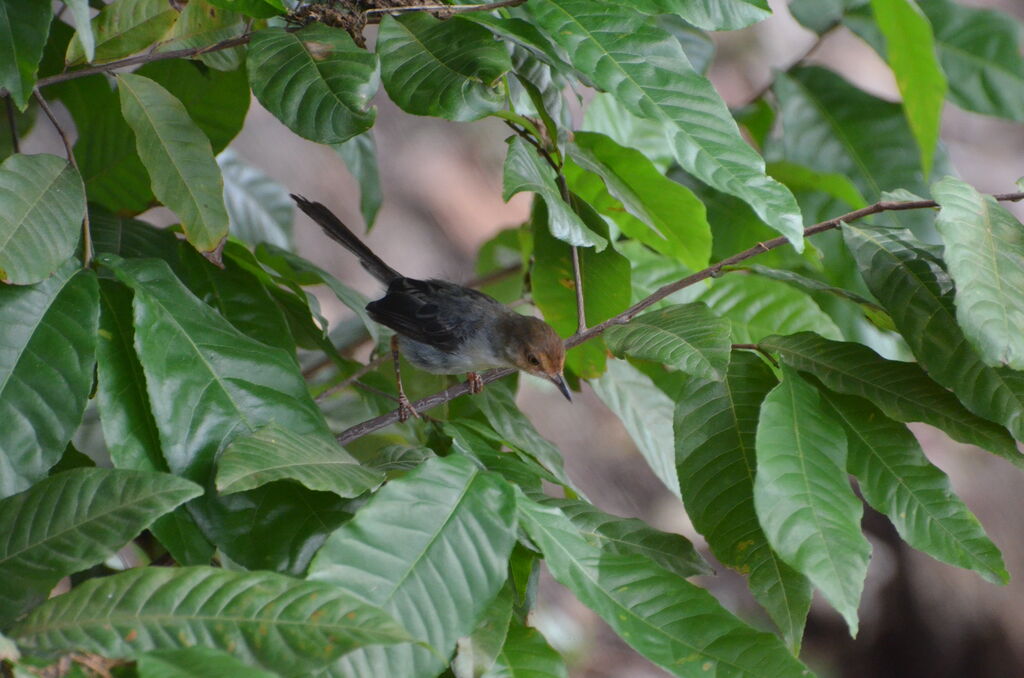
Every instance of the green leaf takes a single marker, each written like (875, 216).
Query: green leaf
(798, 177)
(903, 391)
(47, 354)
(360, 157)
(478, 651)
(910, 46)
(715, 424)
(803, 497)
(178, 337)
(820, 15)
(83, 27)
(919, 296)
(711, 15)
(132, 239)
(124, 28)
(985, 254)
(24, 27)
(128, 426)
(687, 337)
(631, 537)
(646, 412)
(526, 654)
(260, 9)
(675, 624)
(646, 69)
(449, 562)
(275, 453)
(286, 625)
(898, 480)
(447, 69)
(498, 404)
(758, 308)
(294, 267)
(671, 210)
(259, 208)
(196, 662)
(831, 126)
(316, 81)
(73, 520)
(178, 157)
(42, 202)
(201, 24)
(526, 171)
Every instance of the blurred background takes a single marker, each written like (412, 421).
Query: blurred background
(441, 184)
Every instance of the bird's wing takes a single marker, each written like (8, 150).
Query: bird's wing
(434, 312)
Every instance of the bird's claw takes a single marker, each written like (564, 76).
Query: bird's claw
(475, 383)
(405, 409)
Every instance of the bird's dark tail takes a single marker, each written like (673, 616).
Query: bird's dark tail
(338, 231)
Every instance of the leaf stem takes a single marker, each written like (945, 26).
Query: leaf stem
(86, 232)
(441, 397)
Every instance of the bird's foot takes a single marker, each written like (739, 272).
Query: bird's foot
(476, 384)
(405, 409)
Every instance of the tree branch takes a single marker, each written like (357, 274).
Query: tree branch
(447, 9)
(86, 234)
(145, 59)
(444, 396)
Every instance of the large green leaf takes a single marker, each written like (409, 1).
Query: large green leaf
(203, 376)
(669, 209)
(898, 480)
(360, 157)
(630, 537)
(803, 498)
(275, 453)
(711, 15)
(902, 390)
(24, 26)
(73, 520)
(831, 126)
(448, 69)
(623, 53)
(42, 202)
(287, 625)
(758, 308)
(196, 662)
(985, 254)
(910, 47)
(715, 424)
(646, 412)
(919, 296)
(526, 171)
(202, 24)
(254, 8)
(316, 81)
(123, 28)
(83, 26)
(47, 353)
(178, 157)
(687, 337)
(675, 624)
(259, 208)
(435, 567)
(526, 654)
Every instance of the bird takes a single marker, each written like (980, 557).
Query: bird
(445, 328)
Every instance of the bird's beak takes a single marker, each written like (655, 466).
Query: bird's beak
(562, 386)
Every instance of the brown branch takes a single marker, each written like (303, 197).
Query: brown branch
(145, 59)
(86, 233)
(15, 144)
(446, 9)
(444, 396)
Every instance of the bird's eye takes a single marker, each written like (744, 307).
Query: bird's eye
(532, 359)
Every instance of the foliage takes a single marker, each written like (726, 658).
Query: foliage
(754, 395)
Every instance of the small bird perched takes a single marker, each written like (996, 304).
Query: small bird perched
(446, 328)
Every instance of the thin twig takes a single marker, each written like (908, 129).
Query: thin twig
(757, 347)
(15, 144)
(145, 59)
(86, 231)
(447, 9)
(441, 397)
(792, 64)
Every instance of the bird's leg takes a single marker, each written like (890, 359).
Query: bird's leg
(405, 407)
(476, 384)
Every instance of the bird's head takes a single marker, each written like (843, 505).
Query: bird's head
(535, 348)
